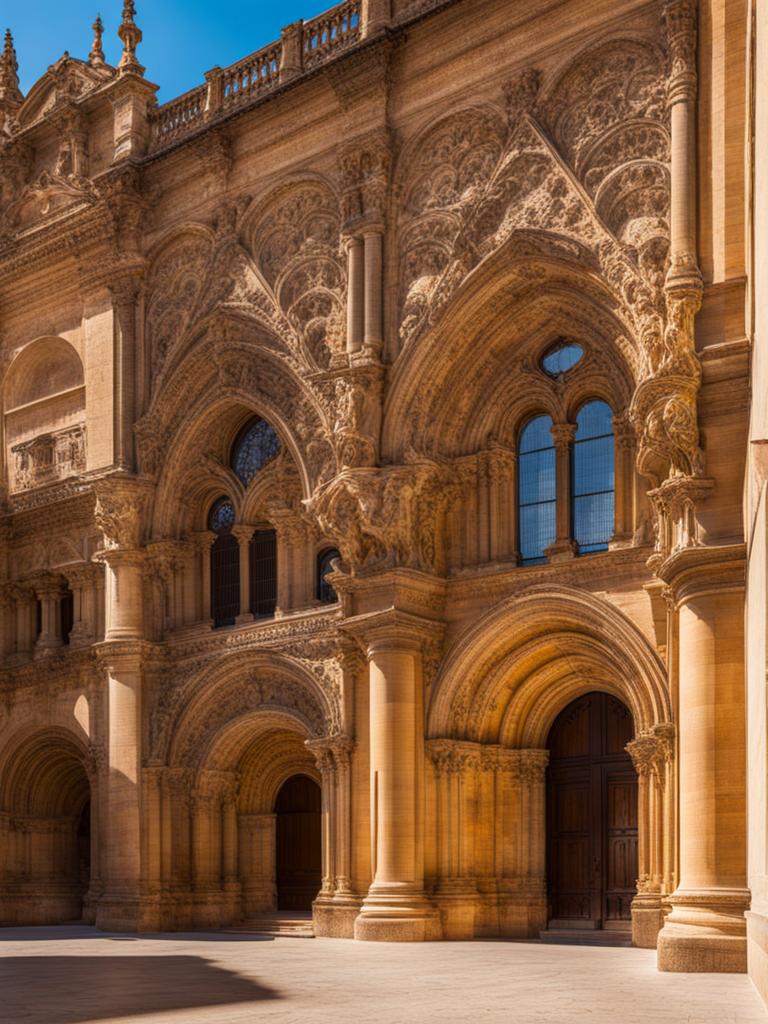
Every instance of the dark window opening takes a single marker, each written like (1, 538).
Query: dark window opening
(255, 446)
(263, 566)
(325, 591)
(66, 615)
(225, 565)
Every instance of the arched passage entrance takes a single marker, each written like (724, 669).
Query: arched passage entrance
(592, 805)
(45, 831)
(298, 843)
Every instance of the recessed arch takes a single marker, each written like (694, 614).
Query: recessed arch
(507, 677)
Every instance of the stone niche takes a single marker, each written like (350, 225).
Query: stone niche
(44, 415)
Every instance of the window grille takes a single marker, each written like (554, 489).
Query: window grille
(592, 476)
(263, 568)
(225, 565)
(536, 490)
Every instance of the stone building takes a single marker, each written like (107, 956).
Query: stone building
(374, 438)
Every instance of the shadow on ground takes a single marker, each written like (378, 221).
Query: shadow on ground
(72, 989)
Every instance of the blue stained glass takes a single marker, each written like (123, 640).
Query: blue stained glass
(221, 518)
(256, 445)
(593, 478)
(536, 490)
(562, 359)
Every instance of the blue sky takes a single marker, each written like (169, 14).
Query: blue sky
(182, 38)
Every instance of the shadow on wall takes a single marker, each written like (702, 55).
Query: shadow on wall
(71, 989)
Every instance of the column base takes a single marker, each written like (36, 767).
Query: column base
(391, 916)
(647, 919)
(757, 951)
(706, 932)
(456, 899)
(561, 551)
(128, 912)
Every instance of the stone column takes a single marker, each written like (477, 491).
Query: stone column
(396, 908)
(81, 579)
(564, 547)
(125, 293)
(119, 506)
(48, 593)
(292, 56)
(355, 294)
(373, 328)
(706, 929)
(244, 535)
(205, 540)
(624, 487)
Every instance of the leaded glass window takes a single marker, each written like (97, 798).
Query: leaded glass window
(225, 564)
(536, 490)
(325, 591)
(592, 462)
(256, 445)
(562, 358)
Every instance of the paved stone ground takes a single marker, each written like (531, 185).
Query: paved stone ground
(75, 974)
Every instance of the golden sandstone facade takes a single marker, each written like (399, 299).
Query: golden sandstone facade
(374, 435)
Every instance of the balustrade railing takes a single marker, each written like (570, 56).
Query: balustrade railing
(331, 32)
(304, 46)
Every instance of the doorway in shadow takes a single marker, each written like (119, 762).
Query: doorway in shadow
(298, 855)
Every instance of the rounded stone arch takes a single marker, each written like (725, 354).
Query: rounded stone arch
(43, 773)
(208, 403)
(43, 368)
(221, 706)
(507, 677)
(461, 381)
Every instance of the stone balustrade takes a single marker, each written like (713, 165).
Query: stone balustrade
(303, 47)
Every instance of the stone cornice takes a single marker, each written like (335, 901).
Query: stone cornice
(696, 571)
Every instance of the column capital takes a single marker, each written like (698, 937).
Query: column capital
(563, 434)
(393, 631)
(698, 571)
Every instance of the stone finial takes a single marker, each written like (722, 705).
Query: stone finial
(9, 73)
(130, 35)
(96, 56)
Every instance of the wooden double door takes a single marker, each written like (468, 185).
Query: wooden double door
(591, 815)
(298, 855)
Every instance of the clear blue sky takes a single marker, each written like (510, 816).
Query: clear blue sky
(182, 38)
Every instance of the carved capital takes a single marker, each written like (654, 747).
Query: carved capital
(121, 504)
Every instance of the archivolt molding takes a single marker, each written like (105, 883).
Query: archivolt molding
(506, 678)
(190, 715)
(44, 773)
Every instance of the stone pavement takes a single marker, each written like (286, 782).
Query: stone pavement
(75, 974)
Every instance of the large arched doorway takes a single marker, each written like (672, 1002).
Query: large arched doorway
(298, 853)
(592, 862)
(45, 831)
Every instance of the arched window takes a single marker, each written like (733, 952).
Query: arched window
(66, 614)
(225, 564)
(536, 490)
(592, 486)
(263, 568)
(255, 446)
(325, 591)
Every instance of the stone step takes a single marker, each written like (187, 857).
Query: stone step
(586, 937)
(286, 925)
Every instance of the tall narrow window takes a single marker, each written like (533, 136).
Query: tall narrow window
(536, 490)
(593, 478)
(66, 614)
(225, 565)
(263, 559)
(255, 446)
(325, 560)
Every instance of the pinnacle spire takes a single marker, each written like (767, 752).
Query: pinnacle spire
(96, 56)
(130, 36)
(9, 72)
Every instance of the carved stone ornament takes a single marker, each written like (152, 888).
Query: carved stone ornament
(121, 503)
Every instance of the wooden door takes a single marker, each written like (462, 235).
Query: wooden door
(298, 859)
(591, 815)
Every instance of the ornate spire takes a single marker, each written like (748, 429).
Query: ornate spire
(130, 35)
(9, 73)
(96, 56)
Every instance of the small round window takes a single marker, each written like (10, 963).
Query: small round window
(561, 359)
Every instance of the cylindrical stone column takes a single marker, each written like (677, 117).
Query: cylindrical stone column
(564, 547)
(244, 535)
(396, 908)
(706, 929)
(373, 289)
(355, 294)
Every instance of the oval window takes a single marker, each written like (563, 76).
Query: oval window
(561, 359)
